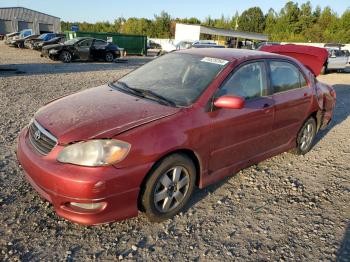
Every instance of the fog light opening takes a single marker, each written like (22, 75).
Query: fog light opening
(88, 206)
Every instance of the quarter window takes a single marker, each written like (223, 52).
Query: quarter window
(285, 76)
(99, 43)
(249, 81)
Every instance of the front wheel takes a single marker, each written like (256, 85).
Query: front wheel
(169, 187)
(109, 57)
(306, 137)
(65, 57)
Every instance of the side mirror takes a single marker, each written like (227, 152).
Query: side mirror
(229, 102)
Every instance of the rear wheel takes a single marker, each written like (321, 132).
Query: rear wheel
(306, 137)
(169, 187)
(65, 57)
(109, 57)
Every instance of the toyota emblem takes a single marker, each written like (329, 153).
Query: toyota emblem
(37, 135)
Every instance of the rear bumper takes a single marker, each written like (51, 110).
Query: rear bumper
(62, 184)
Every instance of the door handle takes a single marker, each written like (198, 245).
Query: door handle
(266, 105)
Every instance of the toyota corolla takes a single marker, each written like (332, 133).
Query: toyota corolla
(186, 119)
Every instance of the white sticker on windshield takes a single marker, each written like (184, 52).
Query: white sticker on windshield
(214, 60)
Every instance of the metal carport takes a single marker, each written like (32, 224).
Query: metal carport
(193, 32)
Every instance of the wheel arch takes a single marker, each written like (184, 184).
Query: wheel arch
(317, 115)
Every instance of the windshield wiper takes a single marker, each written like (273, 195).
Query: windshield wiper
(126, 88)
(160, 98)
(142, 93)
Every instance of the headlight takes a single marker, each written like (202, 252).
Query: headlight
(53, 51)
(95, 153)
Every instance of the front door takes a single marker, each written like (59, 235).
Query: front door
(83, 49)
(241, 134)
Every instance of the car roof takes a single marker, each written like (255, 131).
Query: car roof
(230, 54)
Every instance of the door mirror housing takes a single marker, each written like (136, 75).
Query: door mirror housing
(230, 102)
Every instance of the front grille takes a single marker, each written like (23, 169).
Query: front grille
(41, 139)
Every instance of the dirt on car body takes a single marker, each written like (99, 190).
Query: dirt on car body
(286, 208)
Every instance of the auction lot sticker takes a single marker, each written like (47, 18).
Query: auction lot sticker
(214, 60)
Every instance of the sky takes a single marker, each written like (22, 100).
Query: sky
(108, 10)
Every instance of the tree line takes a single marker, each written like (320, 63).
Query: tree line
(293, 23)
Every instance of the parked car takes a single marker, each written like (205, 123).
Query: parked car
(82, 48)
(186, 119)
(53, 41)
(207, 46)
(204, 42)
(153, 48)
(10, 35)
(338, 60)
(42, 38)
(262, 44)
(183, 45)
(20, 41)
(15, 35)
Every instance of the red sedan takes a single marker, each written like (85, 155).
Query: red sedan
(186, 119)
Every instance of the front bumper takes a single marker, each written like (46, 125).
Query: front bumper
(62, 184)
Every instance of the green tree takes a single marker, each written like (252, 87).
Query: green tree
(252, 20)
(162, 24)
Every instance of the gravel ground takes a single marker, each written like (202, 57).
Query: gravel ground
(288, 208)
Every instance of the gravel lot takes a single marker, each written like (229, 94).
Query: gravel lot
(288, 208)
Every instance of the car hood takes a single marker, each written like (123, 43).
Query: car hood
(54, 46)
(100, 112)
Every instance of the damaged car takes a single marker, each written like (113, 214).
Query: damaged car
(188, 119)
(56, 40)
(83, 49)
(31, 43)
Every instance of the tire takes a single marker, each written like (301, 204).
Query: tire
(306, 137)
(324, 70)
(164, 193)
(65, 57)
(109, 57)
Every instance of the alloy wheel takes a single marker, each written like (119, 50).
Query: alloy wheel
(109, 57)
(66, 57)
(171, 189)
(307, 136)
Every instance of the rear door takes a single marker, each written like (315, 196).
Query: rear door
(98, 49)
(241, 134)
(292, 98)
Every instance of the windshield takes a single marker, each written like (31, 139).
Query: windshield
(72, 41)
(43, 36)
(180, 78)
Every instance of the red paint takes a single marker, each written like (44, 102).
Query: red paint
(314, 58)
(223, 140)
(229, 102)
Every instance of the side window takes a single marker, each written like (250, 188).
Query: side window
(249, 81)
(99, 43)
(285, 76)
(85, 43)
